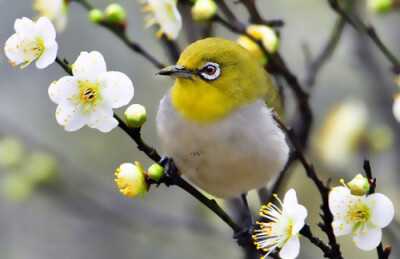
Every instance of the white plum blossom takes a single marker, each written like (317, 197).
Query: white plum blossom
(32, 40)
(164, 13)
(283, 227)
(396, 107)
(362, 216)
(55, 10)
(89, 96)
(130, 180)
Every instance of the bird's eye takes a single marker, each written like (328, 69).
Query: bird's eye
(210, 71)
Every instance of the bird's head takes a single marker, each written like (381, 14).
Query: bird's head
(214, 77)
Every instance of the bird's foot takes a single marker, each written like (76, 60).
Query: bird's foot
(243, 235)
(170, 171)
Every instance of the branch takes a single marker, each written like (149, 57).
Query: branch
(327, 216)
(306, 232)
(359, 26)
(255, 16)
(119, 31)
(326, 53)
(382, 253)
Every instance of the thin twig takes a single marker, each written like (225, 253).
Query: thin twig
(382, 253)
(306, 232)
(64, 65)
(327, 216)
(120, 32)
(255, 16)
(325, 54)
(359, 26)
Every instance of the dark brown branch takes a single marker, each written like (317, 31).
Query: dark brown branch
(306, 232)
(323, 189)
(382, 253)
(255, 16)
(359, 26)
(120, 32)
(315, 66)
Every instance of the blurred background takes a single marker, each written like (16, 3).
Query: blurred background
(76, 210)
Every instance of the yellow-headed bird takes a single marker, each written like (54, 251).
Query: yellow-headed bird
(216, 122)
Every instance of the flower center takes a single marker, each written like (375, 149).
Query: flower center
(89, 96)
(30, 50)
(359, 213)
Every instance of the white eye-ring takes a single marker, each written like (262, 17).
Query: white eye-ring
(210, 71)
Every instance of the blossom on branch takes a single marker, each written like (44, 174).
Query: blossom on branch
(32, 40)
(89, 96)
(164, 13)
(363, 216)
(130, 180)
(55, 10)
(283, 227)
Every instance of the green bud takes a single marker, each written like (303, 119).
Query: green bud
(155, 172)
(40, 168)
(359, 185)
(381, 6)
(115, 13)
(136, 115)
(96, 16)
(203, 10)
(380, 138)
(11, 152)
(16, 187)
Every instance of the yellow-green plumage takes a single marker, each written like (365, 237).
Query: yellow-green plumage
(210, 100)
(216, 122)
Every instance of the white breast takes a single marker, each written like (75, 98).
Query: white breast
(226, 158)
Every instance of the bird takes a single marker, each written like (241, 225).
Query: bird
(216, 122)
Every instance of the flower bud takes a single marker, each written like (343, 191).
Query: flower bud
(155, 172)
(359, 185)
(40, 168)
(203, 10)
(96, 16)
(268, 38)
(267, 35)
(16, 187)
(135, 115)
(130, 179)
(381, 6)
(396, 107)
(380, 137)
(11, 152)
(115, 13)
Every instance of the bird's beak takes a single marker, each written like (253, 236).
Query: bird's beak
(176, 71)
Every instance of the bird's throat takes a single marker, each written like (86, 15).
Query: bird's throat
(200, 102)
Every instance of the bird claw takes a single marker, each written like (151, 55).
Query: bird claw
(243, 235)
(170, 170)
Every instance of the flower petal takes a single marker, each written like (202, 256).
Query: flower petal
(382, 209)
(298, 218)
(12, 51)
(45, 29)
(102, 119)
(291, 249)
(341, 226)
(368, 240)
(338, 197)
(118, 89)
(70, 117)
(60, 91)
(48, 56)
(89, 66)
(24, 26)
